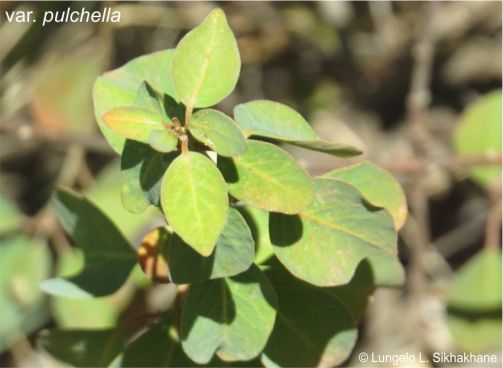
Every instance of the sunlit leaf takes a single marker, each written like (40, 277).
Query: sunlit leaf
(83, 348)
(119, 87)
(133, 122)
(476, 334)
(479, 133)
(378, 187)
(324, 243)
(194, 200)
(108, 255)
(206, 63)
(232, 317)
(217, 131)
(278, 121)
(265, 176)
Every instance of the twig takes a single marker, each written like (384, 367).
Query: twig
(493, 226)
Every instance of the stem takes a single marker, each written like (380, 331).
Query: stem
(492, 240)
(184, 139)
(188, 115)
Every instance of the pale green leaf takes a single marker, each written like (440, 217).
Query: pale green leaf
(162, 140)
(133, 122)
(477, 285)
(378, 187)
(83, 348)
(315, 326)
(10, 215)
(217, 131)
(479, 133)
(119, 87)
(232, 317)
(108, 256)
(142, 170)
(278, 121)
(267, 177)
(148, 98)
(476, 334)
(324, 243)
(195, 201)
(206, 63)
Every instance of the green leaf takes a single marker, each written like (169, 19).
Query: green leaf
(206, 63)
(133, 122)
(105, 195)
(94, 313)
(83, 348)
(479, 133)
(119, 87)
(324, 244)
(258, 221)
(108, 255)
(157, 347)
(142, 170)
(477, 285)
(314, 326)
(233, 254)
(148, 98)
(267, 177)
(164, 256)
(476, 334)
(378, 187)
(162, 140)
(194, 200)
(217, 131)
(232, 317)
(10, 215)
(274, 120)
(24, 262)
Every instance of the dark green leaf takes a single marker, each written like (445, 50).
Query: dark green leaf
(315, 326)
(119, 87)
(83, 348)
(108, 256)
(206, 63)
(258, 221)
(142, 170)
(232, 317)
(324, 243)
(157, 347)
(274, 120)
(378, 187)
(217, 131)
(233, 254)
(265, 176)
(194, 200)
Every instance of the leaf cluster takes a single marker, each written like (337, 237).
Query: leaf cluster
(276, 261)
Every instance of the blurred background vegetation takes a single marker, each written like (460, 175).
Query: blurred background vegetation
(416, 84)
